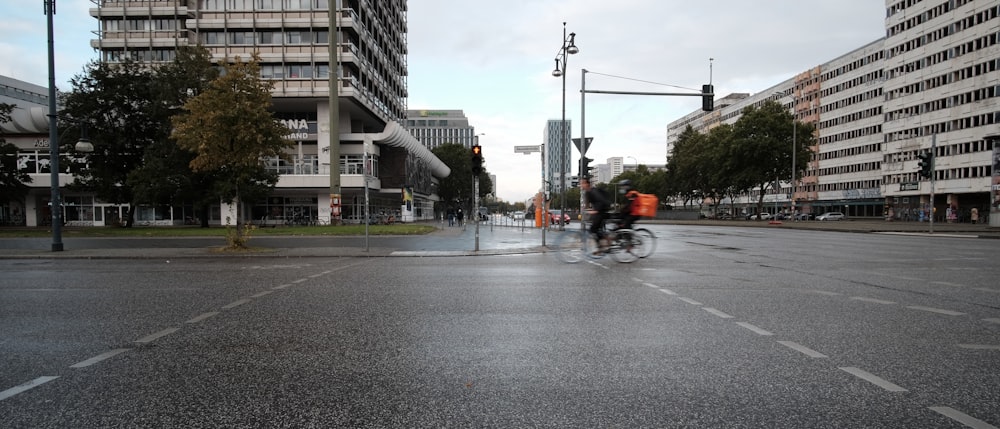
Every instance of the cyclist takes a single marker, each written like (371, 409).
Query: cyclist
(625, 217)
(599, 206)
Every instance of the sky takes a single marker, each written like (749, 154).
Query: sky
(494, 61)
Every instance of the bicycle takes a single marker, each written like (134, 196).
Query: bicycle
(624, 245)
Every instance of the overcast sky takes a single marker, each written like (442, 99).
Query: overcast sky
(494, 60)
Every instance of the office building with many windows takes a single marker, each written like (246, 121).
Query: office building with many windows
(292, 39)
(434, 128)
(929, 87)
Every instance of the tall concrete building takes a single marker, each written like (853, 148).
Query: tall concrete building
(368, 67)
(434, 128)
(558, 155)
(930, 86)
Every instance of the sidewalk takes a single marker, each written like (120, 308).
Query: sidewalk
(445, 241)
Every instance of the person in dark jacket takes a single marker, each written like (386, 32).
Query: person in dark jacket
(599, 205)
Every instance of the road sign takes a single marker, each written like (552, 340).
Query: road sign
(909, 186)
(583, 150)
(527, 149)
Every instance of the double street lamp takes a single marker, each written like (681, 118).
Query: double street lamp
(568, 48)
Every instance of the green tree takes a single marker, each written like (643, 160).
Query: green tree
(13, 181)
(117, 104)
(165, 177)
(456, 189)
(231, 130)
(763, 146)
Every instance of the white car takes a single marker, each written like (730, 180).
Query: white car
(831, 216)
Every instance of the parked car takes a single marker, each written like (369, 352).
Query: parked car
(759, 216)
(805, 216)
(518, 215)
(554, 216)
(831, 216)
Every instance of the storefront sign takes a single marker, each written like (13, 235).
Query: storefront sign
(909, 186)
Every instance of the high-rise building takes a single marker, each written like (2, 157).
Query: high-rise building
(930, 86)
(558, 155)
(292, 39)
(434, 128)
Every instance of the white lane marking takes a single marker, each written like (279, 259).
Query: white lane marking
(260, 294)
(668, 291)
(717, 312)
(935, 310)
(962, 418)
(905, 278)
(316, 275)
(754, 328)
(299, 280)
(872, 378)
(651, 285)
(598, 264)
(979, 346)
(327, 272)
(279, 287)
(29, 385)
(802, 349)
(98, 358)
(986, 289)
(202, 316)
(153, 337)
(235, 304)
(876, 301)
(689, 300)
(992, 320)
(637, 280)
(823, 292)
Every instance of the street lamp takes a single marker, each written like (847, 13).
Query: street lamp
(57, 244)
(636, 163)
(568, 48)
(794, 144)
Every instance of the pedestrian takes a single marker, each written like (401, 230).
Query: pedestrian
(975, 215)
(461, 216)
(451, 217)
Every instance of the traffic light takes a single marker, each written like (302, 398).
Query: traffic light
(477, 160)
(585, 166)
(707, 98)
(926, 164)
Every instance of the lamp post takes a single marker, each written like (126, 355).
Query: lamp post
(55, 202)
(568, 48)
(795, 127)
(636, 163)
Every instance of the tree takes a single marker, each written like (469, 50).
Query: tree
(763, 146)
(165, 176)
(13, 181)
(118, 106)
(457, 187)
(231, 131)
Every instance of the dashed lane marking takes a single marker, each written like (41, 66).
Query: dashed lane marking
(689, 300)
(201, 317)
(755, 329)
(992, 320)
(962, 418)
(802, 349)
(935, 310)
(300, 280)
(26, 386)
(872, 378)
(260, 294)
(717, 312)
(279, 287)
(823, 292)
(668, 291)
(98, 358)
(153, 337)
(872, 300)
(235, 304)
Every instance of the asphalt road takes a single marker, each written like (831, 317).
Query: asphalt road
(720, 328)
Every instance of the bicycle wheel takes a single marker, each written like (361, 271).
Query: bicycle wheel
(648, 241)
(571, 246)
(627, 246)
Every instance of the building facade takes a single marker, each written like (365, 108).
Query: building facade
(929, 86)
(293, 38)
(558, 155)
(434, 128)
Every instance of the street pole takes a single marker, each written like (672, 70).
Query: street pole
(475, 200)
(933, 156)
(583, 141)
(795, 218)
(55, 199)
